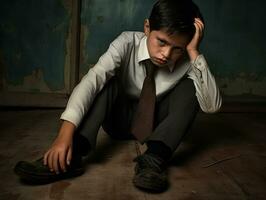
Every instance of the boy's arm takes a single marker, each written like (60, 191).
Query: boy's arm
(207, 91)
(92, 83)
(60, 152)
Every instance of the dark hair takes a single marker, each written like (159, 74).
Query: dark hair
(175, 16)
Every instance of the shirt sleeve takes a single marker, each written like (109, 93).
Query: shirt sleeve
(91, 84)
(207, 91)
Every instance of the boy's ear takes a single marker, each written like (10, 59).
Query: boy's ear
(146, 27)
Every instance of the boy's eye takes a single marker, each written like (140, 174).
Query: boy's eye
(179, 50)
(161, 42)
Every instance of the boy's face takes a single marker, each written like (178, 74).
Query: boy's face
(165, 50)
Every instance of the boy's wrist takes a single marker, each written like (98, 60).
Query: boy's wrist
(67, 128)
(193, 54)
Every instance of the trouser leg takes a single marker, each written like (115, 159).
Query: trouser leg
(175, 114)
(112, 110)
(93, 119)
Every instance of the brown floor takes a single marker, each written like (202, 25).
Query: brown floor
(223, 157)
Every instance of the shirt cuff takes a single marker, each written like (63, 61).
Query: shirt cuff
(71, 116)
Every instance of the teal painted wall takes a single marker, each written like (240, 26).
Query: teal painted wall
(235, 45)
(234, 42)
(235, 36)
(33, 38)
(103, 20)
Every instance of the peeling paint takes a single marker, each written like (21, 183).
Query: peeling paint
(242, 85)
(33, 42)
(67, 60)
(67, 4)
(83, 54)
(101, 24)
(35, 53)
(2, 68)
(32, 83)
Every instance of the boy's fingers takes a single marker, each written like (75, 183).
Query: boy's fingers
(200, 23)
(55, 162)
(62, 161)
(45, 158)
(50, 161)
(69, 155)
(199, 20)
(199, 29)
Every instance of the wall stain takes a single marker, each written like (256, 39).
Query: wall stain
(2, 68)
(30, 43)
(243, 83)
(84, 34)
(32, 83)
(67, 4)
(100, 19)
(57, 190)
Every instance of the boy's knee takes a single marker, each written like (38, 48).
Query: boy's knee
(185, 88)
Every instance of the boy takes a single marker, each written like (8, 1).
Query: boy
(147, 86)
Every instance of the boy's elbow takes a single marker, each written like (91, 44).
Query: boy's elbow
(214, 108)
(212, 111)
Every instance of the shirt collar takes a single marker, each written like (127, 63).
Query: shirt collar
(143, 53)
(171, 68)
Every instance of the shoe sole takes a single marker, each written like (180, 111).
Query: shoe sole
(32, 178)
(146, 184)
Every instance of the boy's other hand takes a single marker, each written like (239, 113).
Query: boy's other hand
(193, 46)
(60, 153)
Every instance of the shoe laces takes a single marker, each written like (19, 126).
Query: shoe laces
(150, 161)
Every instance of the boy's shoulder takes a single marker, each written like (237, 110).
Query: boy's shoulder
(132, 34)
(127, 41)
(130, 37)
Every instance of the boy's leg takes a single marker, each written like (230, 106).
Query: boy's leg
(174, 115)
(111, 110)
(84, 139)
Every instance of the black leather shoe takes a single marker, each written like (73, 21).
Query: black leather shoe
(37, 173)
(150, 173)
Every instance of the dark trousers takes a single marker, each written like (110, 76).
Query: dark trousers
(114, 110)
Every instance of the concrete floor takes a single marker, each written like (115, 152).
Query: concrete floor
(223, 157)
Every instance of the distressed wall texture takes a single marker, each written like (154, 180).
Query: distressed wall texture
(234, 42)
(102, 21)
(235, 45)
(34, 41)
(33, 45)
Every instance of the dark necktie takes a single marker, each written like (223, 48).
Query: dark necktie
(143, 120)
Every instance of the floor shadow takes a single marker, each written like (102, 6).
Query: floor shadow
(207, 132)
(106, 148)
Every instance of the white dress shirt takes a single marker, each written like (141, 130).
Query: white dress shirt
(126, 54)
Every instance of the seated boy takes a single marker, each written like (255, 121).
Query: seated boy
(114, 95)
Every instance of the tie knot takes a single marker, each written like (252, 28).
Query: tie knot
(150, 68)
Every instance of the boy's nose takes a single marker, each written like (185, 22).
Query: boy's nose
(166, 53)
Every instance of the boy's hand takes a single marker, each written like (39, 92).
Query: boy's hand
(60, 153)
(193, 46)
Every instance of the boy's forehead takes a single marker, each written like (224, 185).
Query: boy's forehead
(167, 33)
(177, 37)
